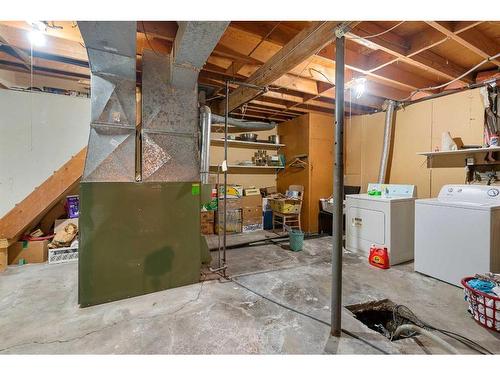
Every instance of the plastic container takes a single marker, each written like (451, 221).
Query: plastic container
(72, 206)
(485, 307)
(379, 257)
(296, 240)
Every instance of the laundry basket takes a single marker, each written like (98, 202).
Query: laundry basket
(485, 308)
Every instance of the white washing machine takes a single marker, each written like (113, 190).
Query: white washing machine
(457, 234)
(385, 220)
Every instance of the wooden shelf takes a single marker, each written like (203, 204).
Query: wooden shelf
(246, 144)
(236, 168)
(455, 159)
(465, 151)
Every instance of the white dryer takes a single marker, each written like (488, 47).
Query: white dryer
(385, 220)
(457, 234)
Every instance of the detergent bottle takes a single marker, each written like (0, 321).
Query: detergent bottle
(379, 257)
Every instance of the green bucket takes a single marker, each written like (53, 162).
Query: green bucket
(296, 240)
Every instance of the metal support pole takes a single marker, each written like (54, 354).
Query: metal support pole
(225, 177)
(338, 190)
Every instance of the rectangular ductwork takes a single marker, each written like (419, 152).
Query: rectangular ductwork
(170, 116)
(111, 51)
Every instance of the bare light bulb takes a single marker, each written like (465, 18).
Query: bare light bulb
(36, 38)
(360, 87)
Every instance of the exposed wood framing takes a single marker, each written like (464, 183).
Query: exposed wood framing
(302, 46)
(480, 44)
(35, 205)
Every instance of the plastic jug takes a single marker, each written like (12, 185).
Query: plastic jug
(379, 257)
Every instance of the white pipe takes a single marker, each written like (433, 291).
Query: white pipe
(384, 160)
(425, 332)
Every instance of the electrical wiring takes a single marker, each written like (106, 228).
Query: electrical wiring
(453, 80)
(323, 74)
(375, 35)
(402, 314)
(147, 39)
(307, 315)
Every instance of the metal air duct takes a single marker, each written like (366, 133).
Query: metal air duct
(170, 132)
(111, 51)
(247, 125)
(206, 129)
(384, 160)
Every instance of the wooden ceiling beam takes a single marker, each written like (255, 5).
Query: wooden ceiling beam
(17, 53)
(487, 47)
(158, 29)
(400, 48)
(460, 26)
(305, 44)
(355, 62)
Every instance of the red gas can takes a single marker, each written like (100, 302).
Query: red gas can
(379, 257)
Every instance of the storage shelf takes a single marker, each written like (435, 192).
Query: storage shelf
(236, 168)
(246, 144)
(465, 151)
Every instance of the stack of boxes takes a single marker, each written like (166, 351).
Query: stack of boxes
(252, 213)
(233, 210)
(246, 211)
(207, 219)
(35, 249)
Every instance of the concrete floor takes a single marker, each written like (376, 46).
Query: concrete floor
(39, 314)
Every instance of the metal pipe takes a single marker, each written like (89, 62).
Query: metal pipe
(338, 190)
(425, 332)
(450, 92)
(247, 125)
(384, 160)
(226, 120)
(205, 124)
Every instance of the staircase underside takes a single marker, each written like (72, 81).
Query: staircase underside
(30, 210)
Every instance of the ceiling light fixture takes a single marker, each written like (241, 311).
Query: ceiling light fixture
(37, 38)
(359, 87)
(36, 35)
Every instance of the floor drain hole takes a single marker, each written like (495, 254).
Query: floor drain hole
(380, 317)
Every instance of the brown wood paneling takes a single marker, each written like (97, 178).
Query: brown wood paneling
(372, 135)
(295, 134)
(412, 133)
(321, 157)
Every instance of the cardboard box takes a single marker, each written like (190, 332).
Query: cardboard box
(234, 221)
(232, 204)
(30, 251)
(251, 201)
(233, 191)
(269, 190)
(207, 216)
(252, 191)
(60, 224)
(207, 219)
(285, 206)
(3, 259)
(207, 228)
(252, 215)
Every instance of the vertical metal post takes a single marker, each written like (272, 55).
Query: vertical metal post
(225, 176)
(338, 190)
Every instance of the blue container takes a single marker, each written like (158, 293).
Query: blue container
(268, 220)
(296, 240)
